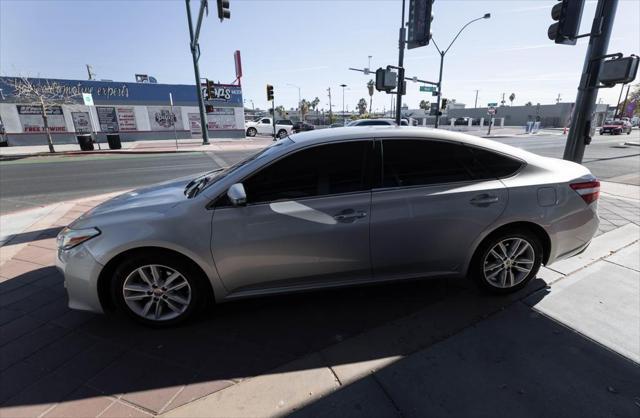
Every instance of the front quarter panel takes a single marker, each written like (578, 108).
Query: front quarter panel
(185, 228)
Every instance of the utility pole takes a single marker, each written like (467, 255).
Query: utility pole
(558, 99)
(502, 102)
(400, 89)
(344, 121)
(330, 107)
(580, 131)
(92, 75)
(615, 115)
(195, 53)
(475, 105)
(624, 105)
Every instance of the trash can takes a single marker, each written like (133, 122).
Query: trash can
(85, 142)
(114, 141)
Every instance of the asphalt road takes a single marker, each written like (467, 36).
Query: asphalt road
(37, 181)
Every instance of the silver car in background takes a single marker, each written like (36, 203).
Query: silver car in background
(330, 208)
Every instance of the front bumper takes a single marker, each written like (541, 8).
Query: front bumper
(81, 272)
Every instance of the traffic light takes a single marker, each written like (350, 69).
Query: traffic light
(386, 80)
(443, 106)
(568, 14)
(223, 10)
(210, 88)
(269, 92)
(420, 18)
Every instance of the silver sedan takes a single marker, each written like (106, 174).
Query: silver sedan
(330, 208)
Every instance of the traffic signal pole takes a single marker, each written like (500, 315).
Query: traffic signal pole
(439, 89)
(580, 132)
(195, 53)
(400, 90)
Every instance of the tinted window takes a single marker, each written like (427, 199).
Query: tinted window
(499, 165)
(420, 162)
(265, 121)
(322, 170)
(373, 123)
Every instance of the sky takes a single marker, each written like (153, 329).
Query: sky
(310, 45)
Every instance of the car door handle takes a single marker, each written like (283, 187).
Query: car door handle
(484, 200)
(349, 215)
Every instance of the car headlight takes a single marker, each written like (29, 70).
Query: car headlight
(69, 238)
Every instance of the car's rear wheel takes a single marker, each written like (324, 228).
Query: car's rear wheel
(252, 132)
(282, 133)
(505, 262)
(158, 290)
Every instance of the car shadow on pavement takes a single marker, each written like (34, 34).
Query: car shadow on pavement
(50, 354)
(31, 236)
(518, 363)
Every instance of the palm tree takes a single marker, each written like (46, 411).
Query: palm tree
(512, 97)
(362, 106)
(281, 110)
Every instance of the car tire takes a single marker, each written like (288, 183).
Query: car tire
(513, 272)
(252, 132)
(282, 133)
(144, 281)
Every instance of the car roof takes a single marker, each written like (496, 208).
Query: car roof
(320, 136)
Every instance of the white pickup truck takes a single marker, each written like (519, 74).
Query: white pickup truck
(263, 126)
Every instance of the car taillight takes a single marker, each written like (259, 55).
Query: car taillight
(588, 190)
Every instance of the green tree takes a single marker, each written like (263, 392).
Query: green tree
(362, 106)
(314, 104)
(281, 111)
(424, 105)
(304, 108)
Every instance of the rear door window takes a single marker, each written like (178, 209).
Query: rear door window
(499, 165)
(409, 162)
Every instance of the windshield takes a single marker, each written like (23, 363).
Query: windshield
(198, 184)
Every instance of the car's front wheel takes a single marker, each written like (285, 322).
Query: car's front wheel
(158, 290)
(507, 261)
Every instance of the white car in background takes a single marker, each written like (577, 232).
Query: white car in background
(264, 126)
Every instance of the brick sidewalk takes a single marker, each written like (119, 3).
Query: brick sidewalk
(58, 362)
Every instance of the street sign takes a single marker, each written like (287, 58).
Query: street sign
(492, 104)
(491, 111)
(88, 99)
(427, 88)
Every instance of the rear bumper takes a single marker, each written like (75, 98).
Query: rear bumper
(573, 234)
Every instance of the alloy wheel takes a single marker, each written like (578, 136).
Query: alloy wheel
(509, 262)
(156, 293)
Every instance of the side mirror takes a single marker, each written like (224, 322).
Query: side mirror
(237, 195)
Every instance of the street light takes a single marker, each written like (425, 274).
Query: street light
(344, 121)
(299, 100)
(443, 53)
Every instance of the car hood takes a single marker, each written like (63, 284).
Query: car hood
(157, 198)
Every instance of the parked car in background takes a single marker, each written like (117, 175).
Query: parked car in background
(376, 122)
(302, 126)
(336, 125)
(464, 121)
(616, 127)
(264, 126)
(312, 211)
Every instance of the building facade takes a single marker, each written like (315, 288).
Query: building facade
(135, 111)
